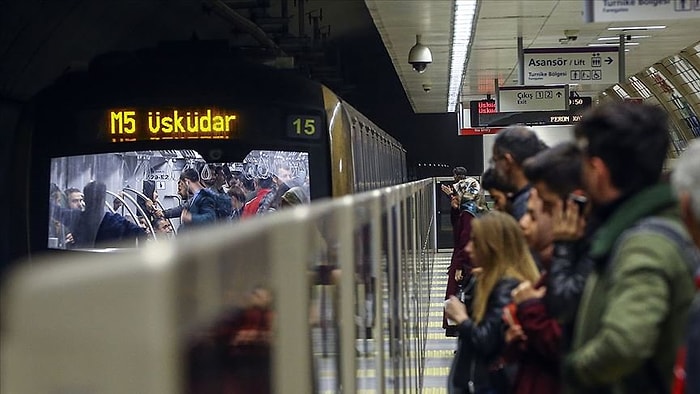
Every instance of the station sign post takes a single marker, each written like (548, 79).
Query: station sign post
(640, 10)
(533, 98)
(590, 65)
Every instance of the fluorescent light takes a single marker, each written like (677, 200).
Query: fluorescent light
(617, 38)
(637, 28)
(465, 14)
(595, 44)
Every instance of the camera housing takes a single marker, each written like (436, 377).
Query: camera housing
(419, 57)
(571, 35)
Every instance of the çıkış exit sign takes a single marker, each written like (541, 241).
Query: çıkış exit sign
(533, 98)
(127, 125)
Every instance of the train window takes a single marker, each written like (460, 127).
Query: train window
(114, 200)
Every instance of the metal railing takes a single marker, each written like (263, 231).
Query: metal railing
(338, 288)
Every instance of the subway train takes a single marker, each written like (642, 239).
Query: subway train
(136, 120)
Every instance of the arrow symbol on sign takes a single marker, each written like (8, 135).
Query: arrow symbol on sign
(558, 94)
(608, 60)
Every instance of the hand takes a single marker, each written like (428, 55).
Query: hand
(515, 333)
(456, 310)
(69, 239)
(458, 275)
(158, 213)
(454, 202)
(525, 292)
(477, 271)
(567, 222)
(446, 189)
(185, 216)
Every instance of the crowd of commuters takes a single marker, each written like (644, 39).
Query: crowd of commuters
(80, 219)
(587, 268)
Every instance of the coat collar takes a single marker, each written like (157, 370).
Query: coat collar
(643, 203)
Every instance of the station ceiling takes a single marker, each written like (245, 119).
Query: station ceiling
(541, 23)
(41, 39)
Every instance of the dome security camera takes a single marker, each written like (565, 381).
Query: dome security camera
(427, 87)
(571, 35)
(419, 57)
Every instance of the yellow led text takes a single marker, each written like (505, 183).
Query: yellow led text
(134, 125)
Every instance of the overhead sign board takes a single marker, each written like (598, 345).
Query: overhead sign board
(533, 98)
(639, 10)
(539, 118)
(477, 107)
(590, 65)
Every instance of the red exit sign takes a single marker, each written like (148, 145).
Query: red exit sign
(486, 107)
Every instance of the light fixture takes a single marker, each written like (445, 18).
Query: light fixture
(464, 16)
(617, 38)
(658, 27)
(595, 44)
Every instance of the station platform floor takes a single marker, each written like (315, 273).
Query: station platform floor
(439, 349)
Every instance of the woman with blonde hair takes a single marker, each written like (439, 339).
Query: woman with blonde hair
(499, 250)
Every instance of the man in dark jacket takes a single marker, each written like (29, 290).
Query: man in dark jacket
(510, 149)
(632, 315)
(201, 209)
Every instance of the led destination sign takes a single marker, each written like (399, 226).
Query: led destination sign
(126, 125)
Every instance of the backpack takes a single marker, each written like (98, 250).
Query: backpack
(664, 227)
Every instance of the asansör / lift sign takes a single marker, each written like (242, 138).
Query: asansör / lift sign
(590, 65)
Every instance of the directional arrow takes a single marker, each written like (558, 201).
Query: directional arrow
(608, 60)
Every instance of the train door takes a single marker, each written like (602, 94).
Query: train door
(445, 240)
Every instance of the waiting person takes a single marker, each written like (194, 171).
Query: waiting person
(498, 248)
(633, 312)
(97, 228)
(465, 208)
(458, 173)
(513, 145)
(498, 189)
(686, 184)
(537, 228)
(556, 175)
(542, 323)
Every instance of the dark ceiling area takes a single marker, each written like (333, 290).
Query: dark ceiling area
(334, 43)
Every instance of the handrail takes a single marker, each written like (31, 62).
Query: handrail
(145, 216)
(118, 197)
(138, 193)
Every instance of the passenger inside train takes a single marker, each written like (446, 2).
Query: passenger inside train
(173, 186)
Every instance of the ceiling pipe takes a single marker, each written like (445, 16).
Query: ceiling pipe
(245, 24)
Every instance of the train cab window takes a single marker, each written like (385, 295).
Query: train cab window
(124, 199)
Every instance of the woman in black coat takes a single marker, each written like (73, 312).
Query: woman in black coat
(499, 251)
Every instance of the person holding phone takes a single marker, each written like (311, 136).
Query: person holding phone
(467, 203)
(540, 319)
